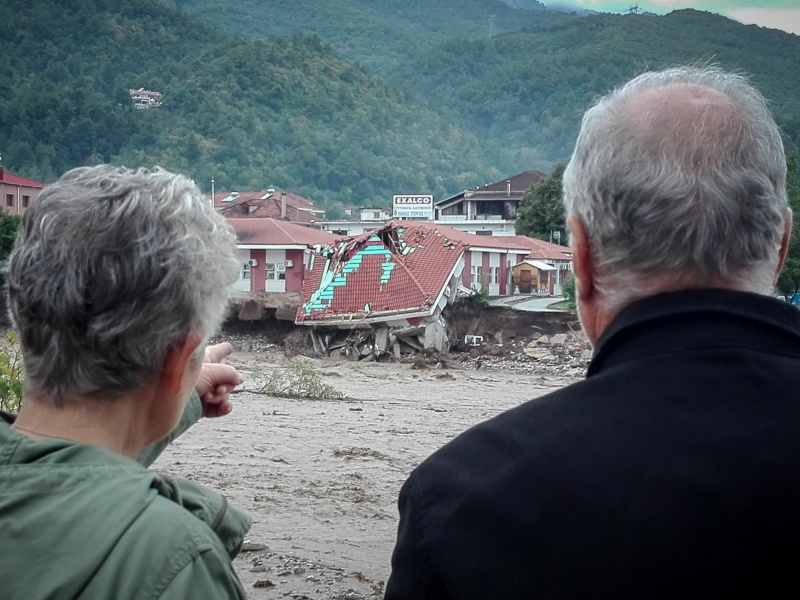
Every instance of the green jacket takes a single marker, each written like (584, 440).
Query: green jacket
(80, 522)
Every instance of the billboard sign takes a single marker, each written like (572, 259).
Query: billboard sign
(413, 207)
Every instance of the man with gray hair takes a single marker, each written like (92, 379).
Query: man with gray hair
(116, 281)
(672, 470)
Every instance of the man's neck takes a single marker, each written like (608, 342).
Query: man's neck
(119, 425)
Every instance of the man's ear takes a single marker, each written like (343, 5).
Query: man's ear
(178, 360)
(785, 241)
(582, 259)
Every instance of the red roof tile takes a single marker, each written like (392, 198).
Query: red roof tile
(499, 242)
(272, 232)
(541, 250)
(11, 179)
(400, 268)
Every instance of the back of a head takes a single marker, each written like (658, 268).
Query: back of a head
(110, 268)
(679, 174)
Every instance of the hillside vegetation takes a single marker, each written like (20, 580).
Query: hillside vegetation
(285, 112)
(380, 34)
(375, 97)
(530, 88)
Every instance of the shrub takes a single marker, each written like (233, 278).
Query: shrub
(299, 379)
(11, 374)
(568, 289)
(480, 297)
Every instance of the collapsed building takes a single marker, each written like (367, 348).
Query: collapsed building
(383, 292)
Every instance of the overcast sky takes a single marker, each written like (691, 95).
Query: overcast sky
(776, 14)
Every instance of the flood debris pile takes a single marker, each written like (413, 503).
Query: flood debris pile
(566, 354)
(382, 342)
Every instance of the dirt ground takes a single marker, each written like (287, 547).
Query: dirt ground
(321, 478)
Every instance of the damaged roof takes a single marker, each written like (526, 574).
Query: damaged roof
(399, 269)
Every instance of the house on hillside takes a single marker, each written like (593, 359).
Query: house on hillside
(395, 279)
(490, 209)
(274, 255)
(268, 204)
(143, 98)
(17, 193)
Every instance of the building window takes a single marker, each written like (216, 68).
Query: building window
(9, 199)
(26, 200)
(494, 275)
(476, 276)
(271, 273)
(483, 232)
(246, 271)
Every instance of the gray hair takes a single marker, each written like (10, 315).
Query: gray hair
(111, 267)
(695, 201)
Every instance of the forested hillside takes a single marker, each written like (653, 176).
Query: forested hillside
(253, 110)
(64, 73)
(379, 34)
(531, 87)
(285, 112)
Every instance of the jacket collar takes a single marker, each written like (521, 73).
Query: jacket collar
(689, 319)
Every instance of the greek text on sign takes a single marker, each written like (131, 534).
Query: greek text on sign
(413, 207)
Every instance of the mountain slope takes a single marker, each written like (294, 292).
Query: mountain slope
(530, 88)
(284, 112)
(377, 33)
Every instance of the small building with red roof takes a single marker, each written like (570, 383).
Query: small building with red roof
(402, 274)
(17, 193)
(558, 258)
(274, 254)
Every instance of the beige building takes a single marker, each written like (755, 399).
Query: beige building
(17, 193)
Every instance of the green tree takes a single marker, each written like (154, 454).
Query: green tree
(789, 280)
(542, 210)
(568, 289)
(8, 232)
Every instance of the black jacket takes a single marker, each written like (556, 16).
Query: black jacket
(672, 471)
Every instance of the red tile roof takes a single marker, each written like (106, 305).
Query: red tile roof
(498, 242)
(268, 204)
(272, 232)
(401, 268)
(541, 250)
(11, 179)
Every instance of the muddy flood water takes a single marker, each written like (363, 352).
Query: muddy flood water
(321, 478)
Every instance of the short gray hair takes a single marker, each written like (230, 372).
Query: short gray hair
(111, 267)
(697, 202)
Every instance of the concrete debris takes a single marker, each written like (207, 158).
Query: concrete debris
(468, 337)
(539, 354)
